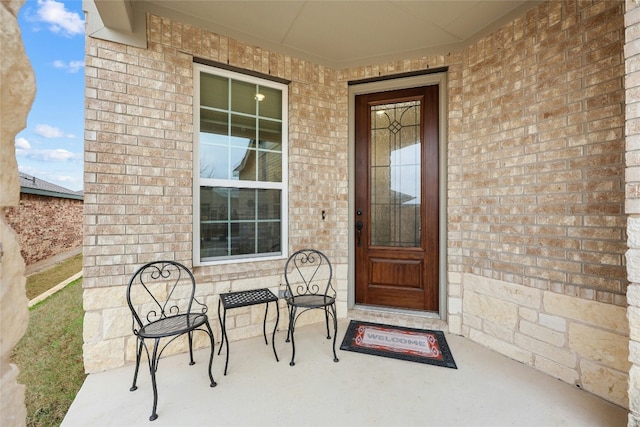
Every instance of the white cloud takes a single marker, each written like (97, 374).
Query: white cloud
(61, 20)
(59, 154)
(71, 67)
(75, 66)
(48, 131)
(23, 149)
(55, 155)
(22, 144)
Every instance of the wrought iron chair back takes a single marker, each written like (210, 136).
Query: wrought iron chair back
(161, 296)
(308, 272)
(159, 290)
(308, 276)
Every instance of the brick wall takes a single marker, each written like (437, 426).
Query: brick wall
(539, 206)
(46, 226)
(541, 201)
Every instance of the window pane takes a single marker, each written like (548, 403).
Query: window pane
(270, 135)
(243, 162)
(214, 162)
(243, 97)
(215, 122)
(269, 204)
(243, 129)
(269, 237)
(271, 104)
(214, 91)
(269, 220)
(214, 224)
(269, 166)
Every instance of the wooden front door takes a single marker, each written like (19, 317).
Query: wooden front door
(396, 198)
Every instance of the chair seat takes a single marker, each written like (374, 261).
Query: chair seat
(173, 325)
(310, 300)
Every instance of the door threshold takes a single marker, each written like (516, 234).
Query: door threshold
(398, 317)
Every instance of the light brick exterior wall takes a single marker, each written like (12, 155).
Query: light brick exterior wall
(540, 200)
(632, 132)
(46, 226)
(539, 205)
(535, 183)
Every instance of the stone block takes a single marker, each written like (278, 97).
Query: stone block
(490, 309)
(242, 320)
(634, 352)
(472, 321)
(607, 383)
(541, 333)
(509, 350)
(595, 313)
(633, 294)
(101, 298)
(116, 323)
(130, 349)
(528, 314)
(503, 333)
(103, 355)
(634, 392)
(568, 375)
(455, 324)
(521, 295)
(556, 323)
(633, 315)
(92, 327)
(633, 231)
(633, 259)
(548, 351)
(605, 347)
(454, 305)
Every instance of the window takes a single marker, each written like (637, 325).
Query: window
(240, 166)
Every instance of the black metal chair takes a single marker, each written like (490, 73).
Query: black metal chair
(161, 296)
(308, 274)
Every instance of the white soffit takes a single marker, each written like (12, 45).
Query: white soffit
(343, 34)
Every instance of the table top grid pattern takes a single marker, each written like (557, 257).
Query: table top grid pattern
(246, 298)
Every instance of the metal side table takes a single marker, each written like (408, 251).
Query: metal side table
(239, 299)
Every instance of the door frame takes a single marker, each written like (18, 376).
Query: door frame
(358, 88)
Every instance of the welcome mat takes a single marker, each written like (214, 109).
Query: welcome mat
(415, 345)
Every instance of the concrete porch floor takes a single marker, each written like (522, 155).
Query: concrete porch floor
(487, 389)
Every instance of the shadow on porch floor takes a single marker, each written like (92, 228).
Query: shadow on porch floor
(487, 389)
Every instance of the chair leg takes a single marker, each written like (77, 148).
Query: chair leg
(138, 355)
(326, 319)
(213, 347)
(289, 327)
(335, 331)
(153, 367)
(191, 362)
(292, 326)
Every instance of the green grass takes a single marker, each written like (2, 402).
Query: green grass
(40, 282)
(50, 355)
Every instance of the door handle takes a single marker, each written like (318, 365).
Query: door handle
(359, 226)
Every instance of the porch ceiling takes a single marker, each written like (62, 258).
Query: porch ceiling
(336, 34)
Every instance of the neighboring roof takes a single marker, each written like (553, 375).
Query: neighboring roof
(31, 185)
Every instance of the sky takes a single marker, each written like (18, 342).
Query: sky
(51, 146)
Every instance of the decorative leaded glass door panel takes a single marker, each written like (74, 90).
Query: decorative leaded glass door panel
(396, 217)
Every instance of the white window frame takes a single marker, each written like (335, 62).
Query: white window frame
(200, 182)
